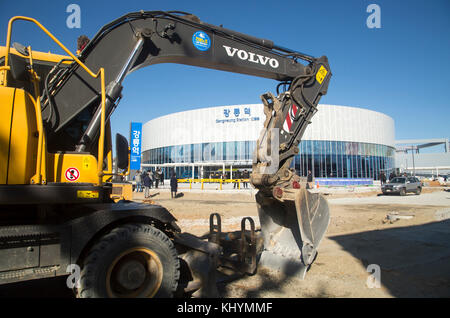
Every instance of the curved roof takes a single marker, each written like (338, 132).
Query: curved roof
(244, 122)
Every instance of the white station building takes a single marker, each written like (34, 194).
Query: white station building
(341, 142)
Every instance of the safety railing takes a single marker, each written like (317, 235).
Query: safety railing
(101, 73)
(202, 182)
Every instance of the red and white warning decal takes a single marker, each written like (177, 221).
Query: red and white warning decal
(72, 174)
(290, 118)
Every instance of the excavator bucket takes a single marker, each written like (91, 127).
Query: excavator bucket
(292, 230)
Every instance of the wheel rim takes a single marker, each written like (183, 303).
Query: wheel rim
(137, 272)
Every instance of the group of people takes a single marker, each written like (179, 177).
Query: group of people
(392, 175)
(145, 180)
(241, 175)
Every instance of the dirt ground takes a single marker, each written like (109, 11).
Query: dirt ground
(413, 254)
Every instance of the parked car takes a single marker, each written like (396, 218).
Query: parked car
(402, 185)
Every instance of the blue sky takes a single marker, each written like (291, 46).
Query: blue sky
(401, 69)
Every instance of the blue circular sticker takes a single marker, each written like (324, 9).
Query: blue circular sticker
(201, 41)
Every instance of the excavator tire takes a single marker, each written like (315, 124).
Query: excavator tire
(132, 261)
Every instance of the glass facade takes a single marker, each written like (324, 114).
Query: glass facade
(337, 159)
(342, 159)
(206, 152)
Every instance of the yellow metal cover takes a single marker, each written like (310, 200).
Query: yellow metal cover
(23, 141)
(6, 100)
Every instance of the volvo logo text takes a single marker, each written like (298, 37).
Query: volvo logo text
(251, 57)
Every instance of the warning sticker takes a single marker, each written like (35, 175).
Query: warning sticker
(321, 74)
(72, 174)
(87, 194)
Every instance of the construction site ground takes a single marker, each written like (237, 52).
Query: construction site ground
(413, 254)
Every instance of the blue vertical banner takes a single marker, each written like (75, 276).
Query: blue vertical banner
(136, 145)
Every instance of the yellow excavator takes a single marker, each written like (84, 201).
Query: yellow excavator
(60, 212)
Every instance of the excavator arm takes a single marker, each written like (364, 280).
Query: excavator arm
(293, 220)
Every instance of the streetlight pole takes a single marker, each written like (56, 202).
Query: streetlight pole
(412, 148)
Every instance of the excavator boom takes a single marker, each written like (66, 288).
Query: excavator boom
(141, 39)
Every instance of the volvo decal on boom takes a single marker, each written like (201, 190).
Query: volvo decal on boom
(251, 57)
(59, 208)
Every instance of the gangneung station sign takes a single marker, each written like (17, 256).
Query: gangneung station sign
(236, 115)
(136, 145)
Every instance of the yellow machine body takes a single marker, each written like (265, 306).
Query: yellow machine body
(19, 144)
(19, 132)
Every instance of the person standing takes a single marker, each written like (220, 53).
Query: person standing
(138, 179)
(150, 174)
(173, 185)
(162, 177)
(237, 175)
(382, 177)
(157, 177)
(309, 180)
(246, 176)
(147, 184)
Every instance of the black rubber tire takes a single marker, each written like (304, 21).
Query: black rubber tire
(110, 246)
(402, 191)
(418, 191)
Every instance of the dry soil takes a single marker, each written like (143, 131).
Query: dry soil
(413, 255)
